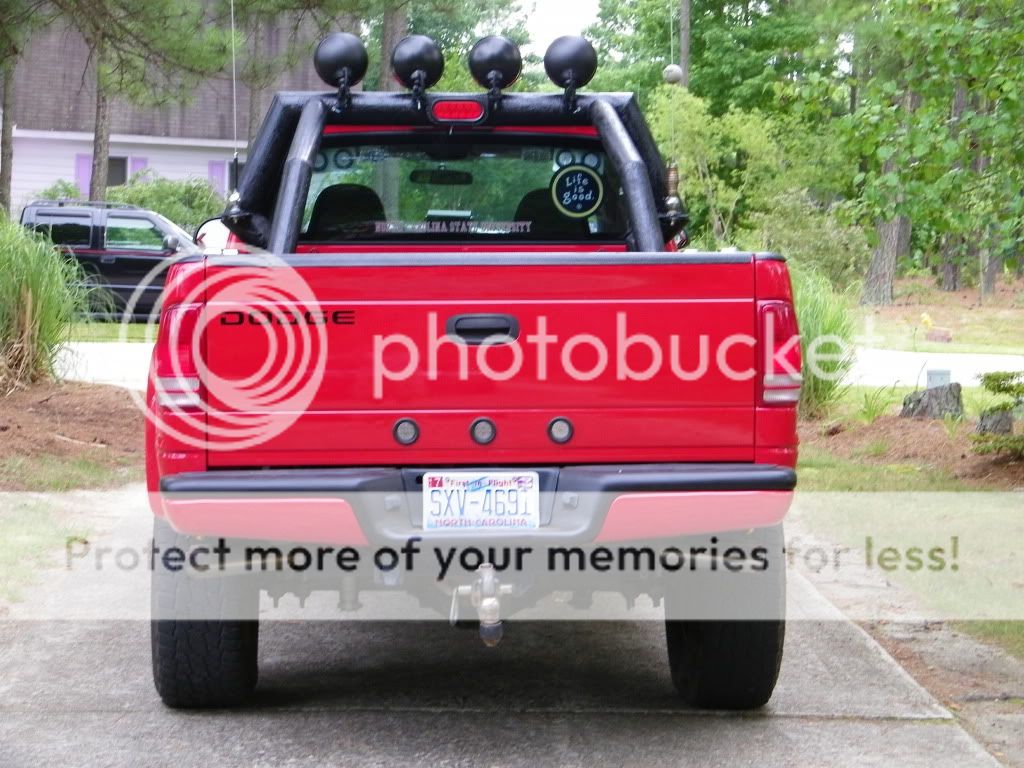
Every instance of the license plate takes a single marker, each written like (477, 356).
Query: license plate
(481, 501)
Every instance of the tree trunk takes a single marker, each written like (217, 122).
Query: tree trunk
(893, 242)
(893, 236)
(101, 139)
(952, 255)
(991, 264)
(7, 138)
(953, 243)
(684, 41)
(254, 87)
(396, 25)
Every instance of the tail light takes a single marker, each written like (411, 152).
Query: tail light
(781, 360)
(177, 381)
(457, 111)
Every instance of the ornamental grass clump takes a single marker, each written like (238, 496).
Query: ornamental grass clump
(41, 292)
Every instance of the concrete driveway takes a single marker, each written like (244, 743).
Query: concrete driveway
(370, 693)
(127, 365)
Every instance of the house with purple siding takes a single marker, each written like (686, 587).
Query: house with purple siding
(55, 107)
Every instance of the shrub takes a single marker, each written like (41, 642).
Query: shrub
(60, 190)
(812, 236)
(41, 292)
(187, 203)
(1011, 386)
(827, 327)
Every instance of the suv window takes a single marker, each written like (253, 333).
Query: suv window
(65, 228)
(413, 188)
(134, 233)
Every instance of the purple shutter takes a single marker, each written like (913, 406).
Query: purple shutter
(83, 174)
(137, 164)
(216, 172)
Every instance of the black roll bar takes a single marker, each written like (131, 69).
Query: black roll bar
(633, 175)
(298, 171)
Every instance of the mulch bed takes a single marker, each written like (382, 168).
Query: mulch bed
(915, 441)
(70, 420)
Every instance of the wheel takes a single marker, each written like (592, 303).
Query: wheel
(204, 653)
(731, 663)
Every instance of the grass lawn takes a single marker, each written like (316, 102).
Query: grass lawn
(990, 572)
(861, 403)
(996, 326)
(46, 472)
(100, 331)
(30, 534)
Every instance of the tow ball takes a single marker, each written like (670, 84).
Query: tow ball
(485, 595)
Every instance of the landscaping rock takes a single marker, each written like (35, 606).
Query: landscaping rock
(996, 421)
(934, 403)
(942, 335)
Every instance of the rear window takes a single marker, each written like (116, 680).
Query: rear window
(65, 228)
(422, 189)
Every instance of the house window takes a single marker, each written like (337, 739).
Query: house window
(117, 171)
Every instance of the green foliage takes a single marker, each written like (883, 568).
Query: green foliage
(187, 203)
(875, 403)
(739, 51)
(811, 235)
(41, 292)
(60, 190)
(952, 424)
(1011, 386)
(728, 165)
(826, 333)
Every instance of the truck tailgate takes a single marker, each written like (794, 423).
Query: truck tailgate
(577, 355)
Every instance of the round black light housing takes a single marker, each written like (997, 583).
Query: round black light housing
(417, 62)
(338, 52)
(483, 431)
(406, 431)
(560, 430)
(570, 61)
(495, 62)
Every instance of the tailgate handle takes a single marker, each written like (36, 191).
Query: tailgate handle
(483, 329)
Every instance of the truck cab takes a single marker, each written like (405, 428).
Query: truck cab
(456, 321)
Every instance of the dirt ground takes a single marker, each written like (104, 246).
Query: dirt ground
(892, 439)
(79, 425)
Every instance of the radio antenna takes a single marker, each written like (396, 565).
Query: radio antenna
(233, 197)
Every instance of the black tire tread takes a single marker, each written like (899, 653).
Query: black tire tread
(198, 663)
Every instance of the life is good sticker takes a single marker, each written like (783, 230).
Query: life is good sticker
(577, 191)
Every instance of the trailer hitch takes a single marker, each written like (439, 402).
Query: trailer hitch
(485, 595)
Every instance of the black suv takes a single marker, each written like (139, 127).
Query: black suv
(117, 245)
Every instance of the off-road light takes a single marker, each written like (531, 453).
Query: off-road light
(495, 62)
(560, 430)
(417, 62)
(570, 62)
(483, 431)
(340, 59)
(406, 431)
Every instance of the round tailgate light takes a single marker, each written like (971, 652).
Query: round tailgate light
(560, 430)
(406, 431)
(483, 431)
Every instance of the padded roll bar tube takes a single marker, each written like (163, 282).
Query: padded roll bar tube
(633, 175)
(298, 170)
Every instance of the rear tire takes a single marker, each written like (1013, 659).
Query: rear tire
(201, 662)
(731, 664)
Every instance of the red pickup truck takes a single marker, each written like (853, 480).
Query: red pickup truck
(463, 319)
